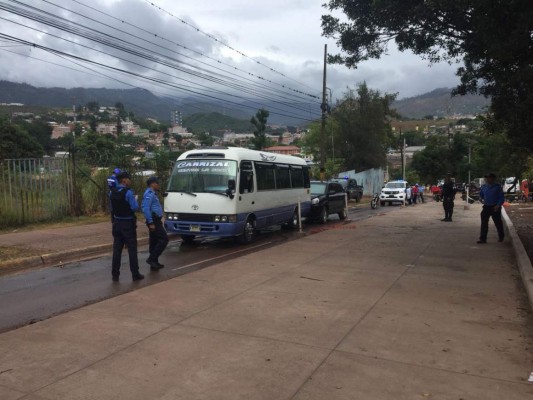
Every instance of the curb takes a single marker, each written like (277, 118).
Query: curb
(524, 263)
(62, 257)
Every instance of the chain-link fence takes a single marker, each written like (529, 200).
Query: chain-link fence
(33, 190)
(47, 189)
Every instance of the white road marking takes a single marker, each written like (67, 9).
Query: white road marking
(222, 256)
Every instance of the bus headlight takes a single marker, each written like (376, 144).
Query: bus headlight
(225, 218)
(172, 217)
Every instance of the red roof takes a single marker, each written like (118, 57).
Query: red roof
(282, 148)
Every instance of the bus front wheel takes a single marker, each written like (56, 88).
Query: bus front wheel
(248, 232)
(188, 239)
(294, 221)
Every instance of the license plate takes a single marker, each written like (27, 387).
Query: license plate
(391, 196)
(195, 228)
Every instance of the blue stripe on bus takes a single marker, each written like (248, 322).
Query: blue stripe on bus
(264, 218)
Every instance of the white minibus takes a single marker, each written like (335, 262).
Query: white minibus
(234, 192)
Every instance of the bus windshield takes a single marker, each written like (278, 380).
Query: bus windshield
(202, 176)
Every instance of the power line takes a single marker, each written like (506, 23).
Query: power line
(58, 52)
(224, 43)
(133, 51)
(100, 37)
(184, 47)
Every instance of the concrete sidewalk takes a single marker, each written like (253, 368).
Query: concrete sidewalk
(51, 246)
(402, 307)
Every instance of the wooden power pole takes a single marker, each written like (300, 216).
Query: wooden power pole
(323, 125)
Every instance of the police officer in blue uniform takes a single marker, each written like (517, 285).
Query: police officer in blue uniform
(492, 197)
(123, 207)
(153, 212)
(112, 181)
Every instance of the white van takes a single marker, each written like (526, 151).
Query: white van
(227, 192)
(393, 192)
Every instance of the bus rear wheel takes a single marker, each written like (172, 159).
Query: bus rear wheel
(248, 232)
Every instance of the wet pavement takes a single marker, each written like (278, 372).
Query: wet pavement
(38, 294)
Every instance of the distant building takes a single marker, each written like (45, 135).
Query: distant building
(128, 127)
(289, 150)
(180, 130)
(176, 118)
(61, 130)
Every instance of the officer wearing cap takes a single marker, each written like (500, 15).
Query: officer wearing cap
(153, 212)
(448, 197)
(112, 181)
(123, 207)
(492, 197)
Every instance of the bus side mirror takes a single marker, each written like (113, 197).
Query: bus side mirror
(165, 194)
(232, 185)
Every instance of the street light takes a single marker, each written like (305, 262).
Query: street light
(330, 100)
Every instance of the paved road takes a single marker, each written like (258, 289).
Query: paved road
(42, 293)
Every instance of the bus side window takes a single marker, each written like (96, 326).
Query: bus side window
(246, 184)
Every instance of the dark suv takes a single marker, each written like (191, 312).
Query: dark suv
(327, 198)
(351, 187)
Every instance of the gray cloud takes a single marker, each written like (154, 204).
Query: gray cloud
(283, 34)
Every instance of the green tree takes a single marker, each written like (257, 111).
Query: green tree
(119, 126)
(121, 110)
(41, 131)
(17, 143)
(93, 106)
(364, 131)
(492, 39)
(259, 121)
(95, 149)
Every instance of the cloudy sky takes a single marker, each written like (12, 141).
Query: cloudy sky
(283, 34)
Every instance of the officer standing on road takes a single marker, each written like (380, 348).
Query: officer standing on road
(112, 181)
(492, 197)
(448, 197)
(123, 207)
(153, 212)
(421, 190)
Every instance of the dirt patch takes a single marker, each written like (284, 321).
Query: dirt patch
(522, 217)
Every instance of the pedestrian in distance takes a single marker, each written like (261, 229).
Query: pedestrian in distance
(414, 193)
(421, 190)
(492, 197)
(448, 198)
(112, 181)
(153, 213)
(123, 208)
(408, 195)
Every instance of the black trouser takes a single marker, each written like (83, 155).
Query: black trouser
(447, 203)
(496, 214)
(125, 233)
(422, 197)
(158, 240)
(415, 198)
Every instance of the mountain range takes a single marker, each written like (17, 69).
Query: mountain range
(144, 103)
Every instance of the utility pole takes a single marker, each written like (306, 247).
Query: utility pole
(402, 148)
(323, 125)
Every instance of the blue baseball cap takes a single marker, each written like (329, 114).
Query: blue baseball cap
(116, 171)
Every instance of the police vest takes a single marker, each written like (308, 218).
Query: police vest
(121, 208)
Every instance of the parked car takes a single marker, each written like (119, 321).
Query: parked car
(327, 198)
(393, 192)
(351, 187)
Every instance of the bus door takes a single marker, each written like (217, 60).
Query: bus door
(246, 185)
